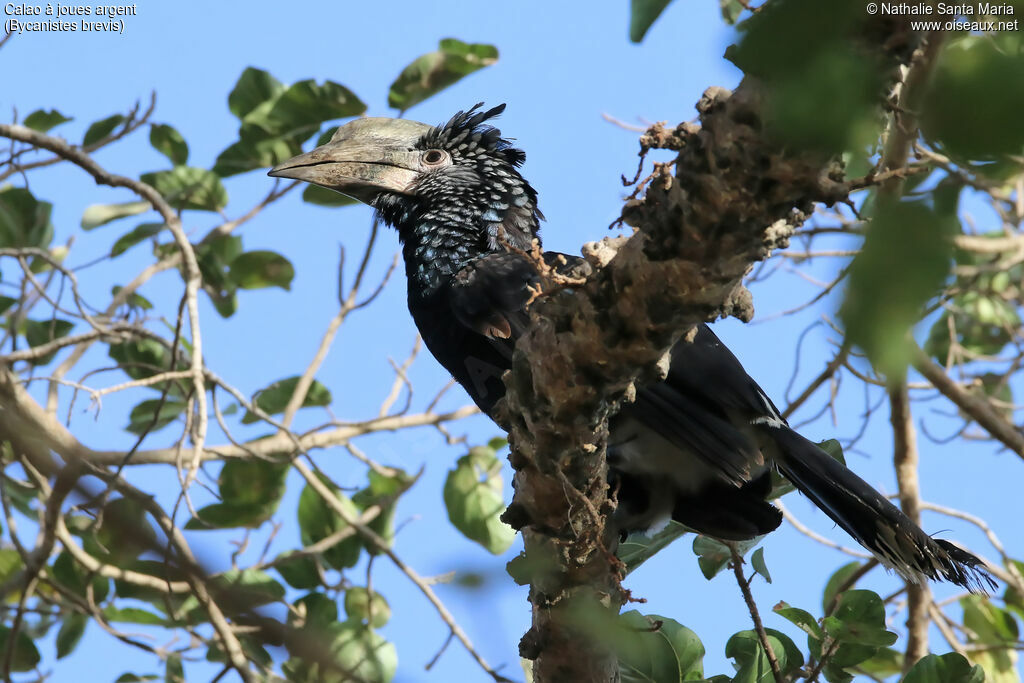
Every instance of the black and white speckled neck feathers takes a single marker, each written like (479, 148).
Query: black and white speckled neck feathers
(463, 210)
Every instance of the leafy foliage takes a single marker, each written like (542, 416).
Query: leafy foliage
(276, 119)
(43, 120)
(642, 14)
(656, 649)
(909, 242)
(473, 496)
(972, 70)
(435, 71)
(24, 220)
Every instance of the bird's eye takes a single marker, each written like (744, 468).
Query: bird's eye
(433, 157)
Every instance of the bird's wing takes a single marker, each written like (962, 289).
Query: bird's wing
(490, 293)
(706, 407)
(703, 406)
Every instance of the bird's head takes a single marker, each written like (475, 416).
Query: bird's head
(461, 175)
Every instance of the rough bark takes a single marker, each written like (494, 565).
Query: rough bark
(733, 197)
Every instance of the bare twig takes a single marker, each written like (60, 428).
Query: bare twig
(384, 547)
(748, 597)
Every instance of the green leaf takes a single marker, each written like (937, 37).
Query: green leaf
(274, 398)
(359, 654)
(162, 572)
(274, 127)
(433, 72)
(905, 259)
(101, 129)
(258, 269)
(253, 650)
(249, 587)
(298, 572)
(70, 633)
(713, 555)
(321, 196)
(656, 649)
(134, 300)
(145, 417)
(473, 496)
(802, 618)
(10, 563)
(5, 303)
(215, 257)
(23, 495)
(125, 533)
(989, 624)
(24, 220)
(838, 578)
(757, 562)
(240, 589)
(175, 672)
(823, 91)
(981, 324)
(886, 662)
(25, 656)
(752, 665)
(971, 70)
(383, 490)
(999, 665)
(947, 668)
(638, 547)
(643, 13)
(42, 120)
(252, 481)
(133, 615)
(101, 214)
(361, 606)
(258, 150)
(39, 332)
(859, 619)
(144, 358)
(308, 104)
(75, 579)
(229, 516)
(168, 141)
(186, 187)
(731, 10)
(250, 491)
(136, 678)
(318, 611)
(130, 239)
(253, 87)
(990, 627)
(1012, 598)
(317, 521)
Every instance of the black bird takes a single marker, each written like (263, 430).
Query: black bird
(697, 447)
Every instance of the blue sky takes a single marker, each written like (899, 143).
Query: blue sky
(562, 66)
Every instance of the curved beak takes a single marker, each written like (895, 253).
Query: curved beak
(364, 158)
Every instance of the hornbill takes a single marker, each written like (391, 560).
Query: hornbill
(697, 447)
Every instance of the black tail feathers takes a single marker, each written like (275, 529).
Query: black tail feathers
(872, 520)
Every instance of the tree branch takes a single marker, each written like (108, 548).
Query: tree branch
(905, 458)
(734, 197)
(977, 407)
